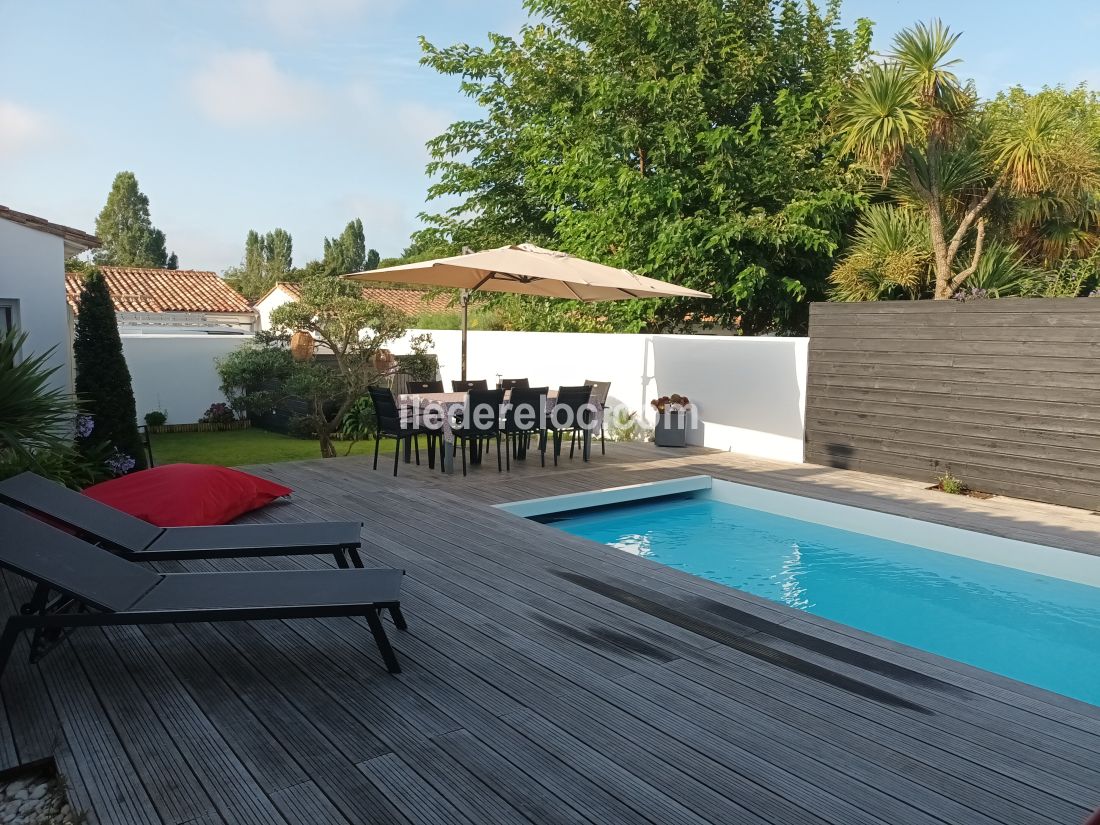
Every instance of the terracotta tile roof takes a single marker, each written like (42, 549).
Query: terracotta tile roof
(164, 290)
(407, 301)
(75, 240)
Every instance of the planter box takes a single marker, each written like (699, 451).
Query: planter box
(671, 430)
(199, 427)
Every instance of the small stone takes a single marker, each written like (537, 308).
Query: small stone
(39, 791)
(21, 794)
(66, 810)
(17, 785)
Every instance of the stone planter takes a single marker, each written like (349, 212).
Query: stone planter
(671, 430)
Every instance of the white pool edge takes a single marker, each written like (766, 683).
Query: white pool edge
(1040, 559)
(600, 498)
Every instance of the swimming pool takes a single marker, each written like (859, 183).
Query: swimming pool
(1037, 628)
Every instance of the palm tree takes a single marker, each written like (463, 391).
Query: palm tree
(911, 113)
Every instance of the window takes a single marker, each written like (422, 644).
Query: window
(9, 316)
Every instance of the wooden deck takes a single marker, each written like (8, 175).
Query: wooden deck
(548, 679)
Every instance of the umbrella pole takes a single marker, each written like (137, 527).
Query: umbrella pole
(464, 298)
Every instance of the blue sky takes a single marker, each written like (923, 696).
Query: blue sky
(239, 114)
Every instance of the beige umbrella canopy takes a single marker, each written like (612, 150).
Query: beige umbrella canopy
(526, 269)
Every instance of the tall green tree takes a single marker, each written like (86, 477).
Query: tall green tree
(268, 259)
(102, 378)
(964, 164)
(126, 229)
(681, 139)
(347, 252)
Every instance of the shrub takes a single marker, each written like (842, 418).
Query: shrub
(102, 377)
(301, 426)
(419, 364)
(359, 422)
(37, 420)
(252, 377)
(156, 418)
(218, 413)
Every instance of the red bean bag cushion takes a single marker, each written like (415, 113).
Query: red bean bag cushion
(187, 495)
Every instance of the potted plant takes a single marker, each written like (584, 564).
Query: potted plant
(672, 420)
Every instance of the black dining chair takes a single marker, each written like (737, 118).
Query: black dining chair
(507, 384)
(396, 422)
(600, 391)
(480, 423)
(572, 413)
(423, 387)
(524, 416)
(466, 386)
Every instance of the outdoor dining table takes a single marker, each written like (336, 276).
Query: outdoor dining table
(449, 402)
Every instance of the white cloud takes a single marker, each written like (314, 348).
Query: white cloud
(246, 87)
(295, 17)
(20, 128)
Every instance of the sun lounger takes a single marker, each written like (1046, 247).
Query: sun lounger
(138, 540)
(81, 585)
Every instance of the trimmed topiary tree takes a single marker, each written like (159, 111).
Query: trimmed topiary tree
(102, 377)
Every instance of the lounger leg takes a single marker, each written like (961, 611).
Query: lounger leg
(383, 643)
(416, 445)
(341, 560)
(499, 465)
(396, 456)
(7, 642)
(353, 554)
(377, 444)
(509, 447)
(398, 618)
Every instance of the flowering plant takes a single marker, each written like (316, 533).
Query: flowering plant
(119, 463)
(670, 403)
(218, 414)
(84, 426)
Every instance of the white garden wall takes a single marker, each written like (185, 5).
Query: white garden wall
(176, 373)
(750, 392)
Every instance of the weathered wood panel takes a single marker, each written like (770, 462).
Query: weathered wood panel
(1004, 394)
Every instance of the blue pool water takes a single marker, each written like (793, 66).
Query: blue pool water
(1037, 629)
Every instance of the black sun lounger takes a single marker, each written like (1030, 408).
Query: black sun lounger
(81, 585)
(138, 540)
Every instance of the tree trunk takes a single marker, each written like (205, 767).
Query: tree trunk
(327, 448)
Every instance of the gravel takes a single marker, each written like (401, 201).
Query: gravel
(35, 799)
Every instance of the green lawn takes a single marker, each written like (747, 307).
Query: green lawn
(251, 446)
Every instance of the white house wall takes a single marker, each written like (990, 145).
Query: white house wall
(32, 272)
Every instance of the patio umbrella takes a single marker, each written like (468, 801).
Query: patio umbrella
(526, 269)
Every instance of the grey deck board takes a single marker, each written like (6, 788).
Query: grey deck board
(531, 692)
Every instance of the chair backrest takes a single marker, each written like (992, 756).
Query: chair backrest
(31, 548)
(466, 386)
(526, 410)
(576, 401)
(420, 387)
(600, 391)
(93, 519)
(387, 415)
(482, 413)
(514, 384)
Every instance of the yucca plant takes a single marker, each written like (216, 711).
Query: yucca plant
(911, 114)
(890, 257)
(37, 419)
